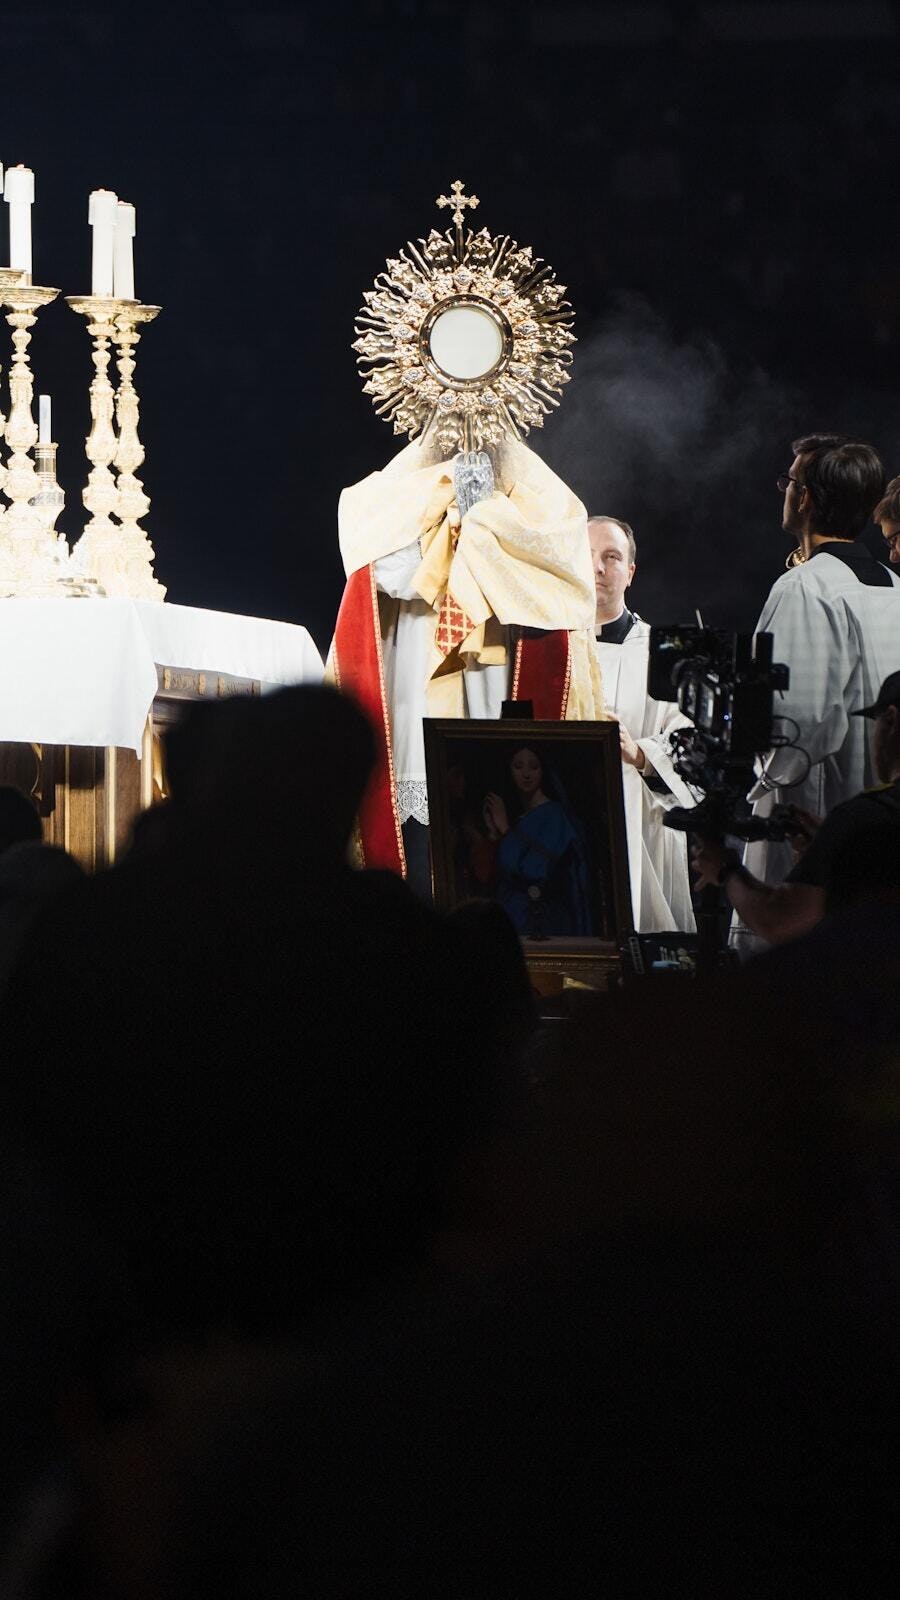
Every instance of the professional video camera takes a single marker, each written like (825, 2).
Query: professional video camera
(725, 682)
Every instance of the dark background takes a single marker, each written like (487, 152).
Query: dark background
(715, 183)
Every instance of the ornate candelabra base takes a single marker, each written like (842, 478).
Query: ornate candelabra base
(117, 563)
(28, 573)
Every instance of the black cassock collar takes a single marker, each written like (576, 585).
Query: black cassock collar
(859, 559)
(616, 632)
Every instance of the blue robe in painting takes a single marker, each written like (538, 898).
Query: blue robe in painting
(542, 873)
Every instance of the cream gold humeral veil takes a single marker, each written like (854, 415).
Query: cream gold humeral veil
(520, 558)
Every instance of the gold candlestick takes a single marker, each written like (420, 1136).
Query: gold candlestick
(9, 278)
(30, 558)
(117, 555)
(90, 555)
(49, 499)
(133, 503)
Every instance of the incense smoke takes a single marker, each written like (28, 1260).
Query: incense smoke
(663, 433)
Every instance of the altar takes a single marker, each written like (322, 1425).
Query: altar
(87, 686)
(92, 664)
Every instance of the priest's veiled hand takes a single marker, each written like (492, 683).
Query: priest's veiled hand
(708, 858)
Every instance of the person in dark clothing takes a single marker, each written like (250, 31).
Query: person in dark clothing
(248, 1067)
(31, 873)
(620, 1358)
(854, 853)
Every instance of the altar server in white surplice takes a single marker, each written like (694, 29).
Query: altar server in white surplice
(657, 855)
(835, 617)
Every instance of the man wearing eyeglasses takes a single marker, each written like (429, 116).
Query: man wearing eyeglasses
(887, 515)
(835, 616)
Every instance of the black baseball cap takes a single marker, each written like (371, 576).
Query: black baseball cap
(888, 695)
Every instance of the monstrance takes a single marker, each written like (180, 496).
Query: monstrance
(465, 337)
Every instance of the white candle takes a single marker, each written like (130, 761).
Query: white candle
(45, 426)
(18, 191)
(102, 208)
(123, 252)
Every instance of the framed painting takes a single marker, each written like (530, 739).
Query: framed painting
(530, 815)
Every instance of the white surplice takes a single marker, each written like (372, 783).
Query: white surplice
(407, 639)
(657, 855)
(839, 638)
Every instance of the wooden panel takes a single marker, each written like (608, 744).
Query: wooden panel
(79, 788)
(53, 813)
(128, 798)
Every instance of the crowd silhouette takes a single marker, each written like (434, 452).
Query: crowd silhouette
(327, 1269)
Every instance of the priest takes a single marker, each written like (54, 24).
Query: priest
(657, 855)
(835, 617)
(468, 583)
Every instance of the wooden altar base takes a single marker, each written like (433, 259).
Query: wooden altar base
(88, 797)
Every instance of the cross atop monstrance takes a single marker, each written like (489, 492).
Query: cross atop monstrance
(458, 200)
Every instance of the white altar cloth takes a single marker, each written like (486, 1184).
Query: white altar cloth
(83, 671)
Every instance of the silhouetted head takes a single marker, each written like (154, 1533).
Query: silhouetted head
(19, 820)
(286, 771)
